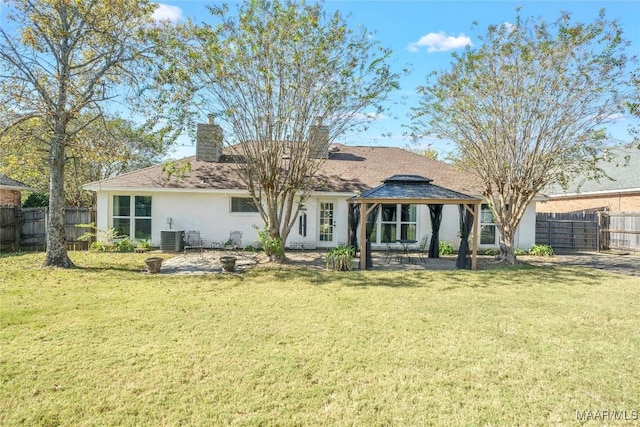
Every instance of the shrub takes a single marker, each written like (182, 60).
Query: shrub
(104, 235)
(541, 250)
(445, 248)
(97, 246)
(496, 251)
(124, 245)
(144, 244)
(36, 200)
(341, 257)
(272, 247)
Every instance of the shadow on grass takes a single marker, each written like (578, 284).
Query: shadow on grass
(524, 275)
(320, 277)
(102, 269)
(15, 254)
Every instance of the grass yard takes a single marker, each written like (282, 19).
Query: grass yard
(107, 344)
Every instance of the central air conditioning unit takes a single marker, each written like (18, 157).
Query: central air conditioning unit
(171, 240)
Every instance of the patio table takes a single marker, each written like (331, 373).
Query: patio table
(405, 248)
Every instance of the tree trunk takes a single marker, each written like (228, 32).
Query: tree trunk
(56, 255)
(507, 247)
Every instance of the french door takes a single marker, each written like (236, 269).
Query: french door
(327, 224)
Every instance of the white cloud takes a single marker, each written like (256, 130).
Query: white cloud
(165, 12)
(508, 26)
(614, 118)
(370, 117)
(440, 42)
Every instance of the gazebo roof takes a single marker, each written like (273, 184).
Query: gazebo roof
(413, 189)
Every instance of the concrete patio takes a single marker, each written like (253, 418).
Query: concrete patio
(208, 262)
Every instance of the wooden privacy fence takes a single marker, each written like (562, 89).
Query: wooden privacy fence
(568, 232)
(25, 228)
(589, 231)
(620, 230)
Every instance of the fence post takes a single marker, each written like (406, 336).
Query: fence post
(17, 229)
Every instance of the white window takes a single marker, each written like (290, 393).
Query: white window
(487, 226)
(132, 216)
(396, 222)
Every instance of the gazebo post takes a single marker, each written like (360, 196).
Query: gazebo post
(363, 235)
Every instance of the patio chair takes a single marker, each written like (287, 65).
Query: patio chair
(390, 253)
(192, 240)
(234, 242)
(422, 248)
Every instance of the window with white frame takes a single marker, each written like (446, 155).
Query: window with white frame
(396, 221)
(132, 216)
(487, 226)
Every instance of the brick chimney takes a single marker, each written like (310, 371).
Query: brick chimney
(209, 140)
(319, 138)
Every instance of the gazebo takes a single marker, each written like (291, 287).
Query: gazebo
(415, 189)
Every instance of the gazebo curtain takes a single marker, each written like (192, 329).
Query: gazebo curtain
(354, 220)
(466, 223)
(436, 219)
(371, 224)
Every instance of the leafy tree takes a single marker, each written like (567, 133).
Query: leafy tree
(60, 61)
(429, 153)
(102, 149)
(634, 105)
(284, 79)
(526, 108)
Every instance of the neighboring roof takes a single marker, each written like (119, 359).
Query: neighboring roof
(349, 169)
(414, 188)
(623, 169)
(7, 183)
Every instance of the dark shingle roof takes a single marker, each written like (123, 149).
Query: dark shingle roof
(411, 187)
(349, 169)
(623, 169)
(6, 182)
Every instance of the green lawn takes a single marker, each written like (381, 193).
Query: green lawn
(107, 344)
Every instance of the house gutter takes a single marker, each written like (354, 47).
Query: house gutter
(626, 191)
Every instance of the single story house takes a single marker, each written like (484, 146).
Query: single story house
(208, 199)
(10, 191)
(618, 193)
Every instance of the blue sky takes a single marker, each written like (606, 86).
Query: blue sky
(422, 34)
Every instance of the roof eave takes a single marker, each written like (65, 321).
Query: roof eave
(15, 187)
(594, 193)
(412, 201)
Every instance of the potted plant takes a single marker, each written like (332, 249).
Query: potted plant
(228, 263)
(153, 264)
(340, 258)
(143, 246)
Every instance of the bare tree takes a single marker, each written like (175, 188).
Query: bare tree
(61, 60)
(528, 107)
(285, 79)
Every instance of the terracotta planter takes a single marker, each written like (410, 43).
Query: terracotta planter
(228, 263)
(153, 264)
